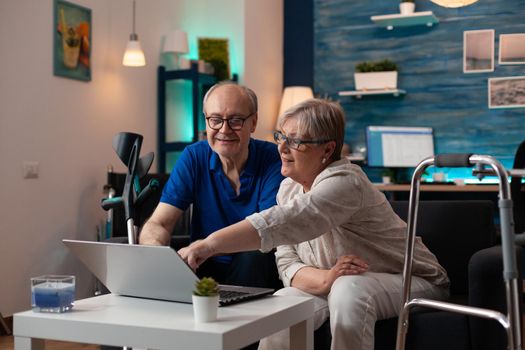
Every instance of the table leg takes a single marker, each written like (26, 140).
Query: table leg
(24, 343)
(302, 335)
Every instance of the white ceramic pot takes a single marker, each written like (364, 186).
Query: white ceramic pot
(407, 8)
(375, 80)
(205, 308)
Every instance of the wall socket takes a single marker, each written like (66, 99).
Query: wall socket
(31, 169)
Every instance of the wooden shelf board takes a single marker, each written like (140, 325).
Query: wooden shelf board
(361, 93)
(190, 74)
(398, 20)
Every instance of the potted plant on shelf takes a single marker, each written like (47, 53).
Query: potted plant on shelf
(378, 75)
(205, 300)
(407, 7)
(388, 176)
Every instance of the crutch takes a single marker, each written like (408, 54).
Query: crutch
(127, 146)
(511, 321)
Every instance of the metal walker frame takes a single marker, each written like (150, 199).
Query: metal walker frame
(511, 321)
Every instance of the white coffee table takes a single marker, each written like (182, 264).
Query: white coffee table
(140, 323)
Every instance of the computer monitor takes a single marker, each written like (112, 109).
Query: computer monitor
(398, 146)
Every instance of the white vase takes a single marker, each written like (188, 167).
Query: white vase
(375, 80)
(407, 8)
(205, 308)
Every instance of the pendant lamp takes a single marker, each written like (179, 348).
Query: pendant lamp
(453, 3)
(133, 56)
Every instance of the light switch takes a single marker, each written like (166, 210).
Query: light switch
(30, 169)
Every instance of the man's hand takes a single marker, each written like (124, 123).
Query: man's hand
(149, 241)
(196, 253)
(157, 230)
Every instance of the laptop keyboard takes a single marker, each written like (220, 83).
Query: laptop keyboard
(227, 297)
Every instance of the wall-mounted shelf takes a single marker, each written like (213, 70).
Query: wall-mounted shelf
(398, 20)
(361, 93)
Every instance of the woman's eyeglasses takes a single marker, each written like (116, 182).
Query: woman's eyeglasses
(235, 122)
(294, 143)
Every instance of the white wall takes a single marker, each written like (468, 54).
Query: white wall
(255, 32)
(264, 60)
(68, 125)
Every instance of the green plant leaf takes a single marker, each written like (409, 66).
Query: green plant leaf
(376, 66)
(206, 287)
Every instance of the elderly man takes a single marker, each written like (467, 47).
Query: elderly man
(226, 177)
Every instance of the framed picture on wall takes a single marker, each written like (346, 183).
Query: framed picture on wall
(478, 51)
(512, 48)
(508, 92)
(216, 52)
(71, 41)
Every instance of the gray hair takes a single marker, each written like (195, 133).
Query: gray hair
(249, 94)
(319, 119)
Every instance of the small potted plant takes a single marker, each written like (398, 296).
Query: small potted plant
(388, 176)
(205, 300)
(407, 7)
(375, 75)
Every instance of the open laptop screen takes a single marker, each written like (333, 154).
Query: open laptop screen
(153, 272)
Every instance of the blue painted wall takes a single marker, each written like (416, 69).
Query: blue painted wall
(439, 94)
(298, 50)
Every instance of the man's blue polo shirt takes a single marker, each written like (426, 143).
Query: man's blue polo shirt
(198, 178)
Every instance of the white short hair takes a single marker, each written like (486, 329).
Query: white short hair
(318, 119)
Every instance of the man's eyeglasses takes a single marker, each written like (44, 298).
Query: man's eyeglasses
(235, 122)
(296, 144)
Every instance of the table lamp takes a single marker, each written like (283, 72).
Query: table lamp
(293, 95)
(176, 43)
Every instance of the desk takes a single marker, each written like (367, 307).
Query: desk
(442, 192)
(140, 323)
(438, 188)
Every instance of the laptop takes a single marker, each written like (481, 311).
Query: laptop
(152, 272)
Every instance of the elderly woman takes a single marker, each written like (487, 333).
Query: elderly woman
(337, 238)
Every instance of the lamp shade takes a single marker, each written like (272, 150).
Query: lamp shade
(133, 57)
(293, 95)
(453, 3)
(176, 41)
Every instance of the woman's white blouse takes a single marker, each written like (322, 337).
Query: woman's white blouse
(342, 214)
